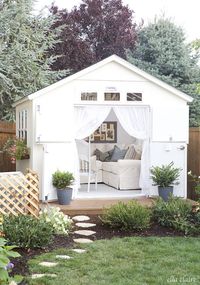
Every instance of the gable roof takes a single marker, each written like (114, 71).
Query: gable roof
(112, 58)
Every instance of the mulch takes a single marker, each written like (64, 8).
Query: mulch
(102, 232)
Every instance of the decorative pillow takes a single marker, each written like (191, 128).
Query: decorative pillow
(138, 156)
(118, 154)
(138, 152)
(131, 153)
(102, 156)
(111, 152)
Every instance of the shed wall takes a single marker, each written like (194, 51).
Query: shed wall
(51, 130)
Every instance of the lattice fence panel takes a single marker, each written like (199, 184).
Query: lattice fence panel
(19, 194)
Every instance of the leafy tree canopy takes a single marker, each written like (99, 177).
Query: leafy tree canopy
(93, 31)
(25, 65)
(161, 50)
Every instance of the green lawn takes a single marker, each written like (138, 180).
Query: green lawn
(126, 261)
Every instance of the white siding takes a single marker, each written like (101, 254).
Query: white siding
(50, 118)
(54, 116)
(20, 166)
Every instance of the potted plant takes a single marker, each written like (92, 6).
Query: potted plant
(62, 180)
(16, 149)
(165, 177)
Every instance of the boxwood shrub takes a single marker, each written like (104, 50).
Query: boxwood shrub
(127, 216)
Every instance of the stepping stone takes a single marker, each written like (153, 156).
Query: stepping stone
(81, 218)
(35, 276)
(83, 240)
(78, 250)
(85, 225)
(48, 264)
(63, 256)
(85, 233)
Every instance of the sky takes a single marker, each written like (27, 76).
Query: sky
(183, 12)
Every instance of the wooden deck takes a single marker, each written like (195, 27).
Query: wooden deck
(95, 206)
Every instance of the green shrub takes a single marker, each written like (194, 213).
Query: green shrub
(195, 219)
(27, 231)
(165, 176)
(127, 216)
(60, 222)
(176, 214)
(62, 179)
(196, 179)
(166, 212)
(6, 252)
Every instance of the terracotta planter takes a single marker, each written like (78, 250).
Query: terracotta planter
(64, 196)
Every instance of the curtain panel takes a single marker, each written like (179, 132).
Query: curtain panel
(134, 120)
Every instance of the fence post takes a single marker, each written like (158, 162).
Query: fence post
(7, 130)
(193, 159)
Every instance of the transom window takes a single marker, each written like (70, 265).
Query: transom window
(134, 96)
(22, 125)
(88, 96)
(111, 96)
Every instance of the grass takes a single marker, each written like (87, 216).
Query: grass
(126, 261)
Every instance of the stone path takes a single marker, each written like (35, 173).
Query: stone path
(81, 218)
(82, 240)
(48, 264)
(79, 250)
(85, 225)
(35, 276)
(63, 257)
(86, 233)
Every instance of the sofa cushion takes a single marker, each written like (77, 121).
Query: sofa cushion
(118, 154)
(112, 167)
(98, 165)
(102, 156)
(122, 167)
(130, 154)
(138, 154)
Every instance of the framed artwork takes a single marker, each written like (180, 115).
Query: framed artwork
(106, 133)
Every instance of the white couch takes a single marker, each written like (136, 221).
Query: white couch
(123, 174)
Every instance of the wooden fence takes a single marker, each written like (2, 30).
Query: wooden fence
(7, 130)
(193, 159)
(19, 194)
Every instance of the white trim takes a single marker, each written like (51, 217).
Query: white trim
(107, 103)
(22, 124)
(112, 58)
(20, 101)
(45, 142)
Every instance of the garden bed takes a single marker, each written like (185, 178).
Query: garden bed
(102, 232)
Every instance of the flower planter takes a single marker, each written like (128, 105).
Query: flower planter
(164, 192)
(64, 196)
(27, 156)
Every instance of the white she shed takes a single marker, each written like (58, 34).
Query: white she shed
(117, 106)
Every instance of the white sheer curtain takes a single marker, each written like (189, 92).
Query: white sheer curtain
(135, 121)
(86, 120)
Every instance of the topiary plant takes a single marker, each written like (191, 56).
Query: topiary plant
(62, 179)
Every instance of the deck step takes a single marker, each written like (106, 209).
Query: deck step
(92, 207)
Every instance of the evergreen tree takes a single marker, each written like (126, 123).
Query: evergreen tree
(25, 65)
(161, 50)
